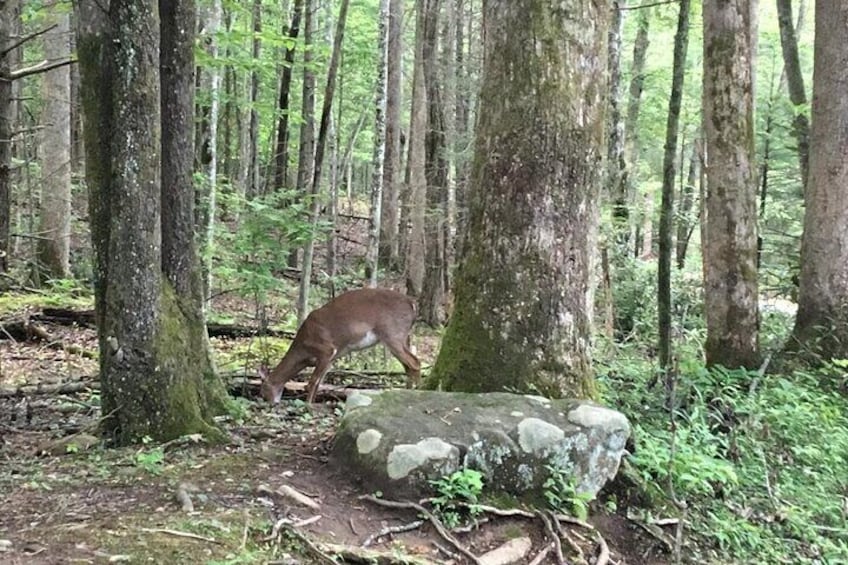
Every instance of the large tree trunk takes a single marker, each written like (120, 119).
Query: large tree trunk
(795, 81)
(8, 18)
(730, 255)
(524, 286)
(390, 213)
(821, 327)
(462, 140)
(452, 22)
(153, 372)
(180, 260)
(681, 43)
(433, 292)
(55, 151)
(415, 248)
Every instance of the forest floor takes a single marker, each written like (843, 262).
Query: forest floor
(66, 499)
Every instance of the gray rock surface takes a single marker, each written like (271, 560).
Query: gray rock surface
(396, 441)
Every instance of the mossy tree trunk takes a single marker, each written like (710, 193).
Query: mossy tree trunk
(821, 328)
(155, 372)
(730, 253)
(524, 286)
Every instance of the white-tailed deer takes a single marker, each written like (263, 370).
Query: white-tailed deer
(354, 320)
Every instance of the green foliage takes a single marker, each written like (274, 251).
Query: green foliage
(457, 493)
(150, 459)
(760, 460)
(635, 299)
(252, 255)
(561, 493)
(238, 409)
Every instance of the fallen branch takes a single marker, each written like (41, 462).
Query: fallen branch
(49, 389)
(429, 515)
(180, 534)
(362, 555)
(291, 493)
(236, 331)
(392, 530)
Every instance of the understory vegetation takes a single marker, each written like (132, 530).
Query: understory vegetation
(756, 458)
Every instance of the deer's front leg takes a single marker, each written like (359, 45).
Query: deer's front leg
(324, 358)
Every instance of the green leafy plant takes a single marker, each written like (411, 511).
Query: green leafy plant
(458, 496)
(561, 493)
(150, 460)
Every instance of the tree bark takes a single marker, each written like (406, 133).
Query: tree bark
(8, 17)
(152, 370)
(464, 86)
(433, 292)
(452, 22)
(55, 229)
(252, 186)
(230, 166)
(681, 44)
(211, 163)
(821, 327)
(378, 160)
(631, 129)
(306, 151)
(281, 153)
(730, 255)
(795, 82)
(416, 161)
(616, 165)
(77, 149)
(524, 286)
(390, 213)
(685, 221)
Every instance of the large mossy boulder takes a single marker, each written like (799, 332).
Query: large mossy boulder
(397, 441)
